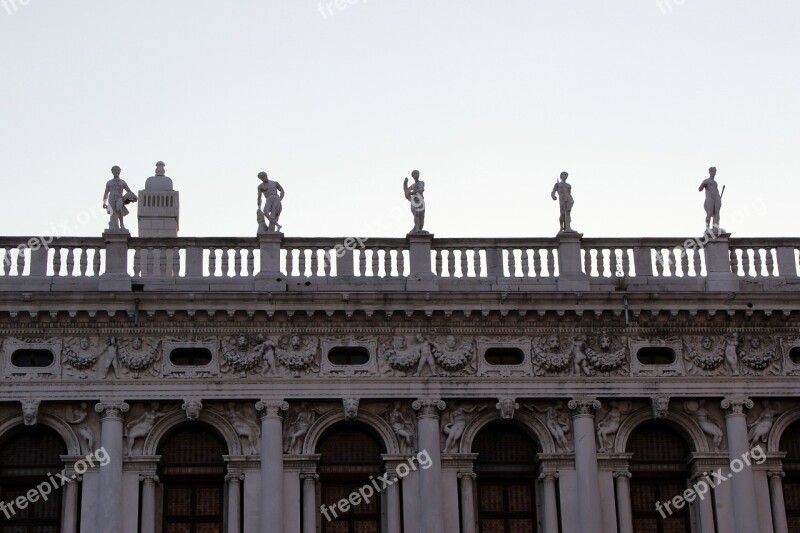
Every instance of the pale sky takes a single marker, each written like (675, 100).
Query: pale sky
(490, 100)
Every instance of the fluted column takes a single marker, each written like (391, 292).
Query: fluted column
(467, 485)
(69, 522)
(234, 502)
(309, 480)
(779, 523)
(743, 486)
(109, 500)
(622, 488)
(586, 464)
(430, 480)
(550, 504)
(271, 501)
(149, 482)
(393, 510)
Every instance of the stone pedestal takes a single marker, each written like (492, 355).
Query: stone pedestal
(718, 264)
(270, 278)
(420, 276)
(116, 277)
(570, 271)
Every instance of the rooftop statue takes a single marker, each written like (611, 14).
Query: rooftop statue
(415, 194)
(115, 199)
(565, 202)
(713, 200)
(273, 197)
(159, 182)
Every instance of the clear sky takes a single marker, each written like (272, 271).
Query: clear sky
(490, 99)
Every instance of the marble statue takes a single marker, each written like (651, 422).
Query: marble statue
(273, 195)
(556, 422)
(77, 419)
(713, 200)
(426, 349)
(245, 428)
(758, 431)
(731, 345)
(700, 414)
(458, 421)
(108, 360)
(140, 427)
(402, 427)
(608, 426)
(115, 199)
(415, 194)
(565, 202)
(299, 427)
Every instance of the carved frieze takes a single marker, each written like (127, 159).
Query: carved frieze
(758, 355)
(298, 354)
(640, 368)
(523, 344)
(139, 355)
(369, 368)
(172, 370)
(607, 355)
(26, 368)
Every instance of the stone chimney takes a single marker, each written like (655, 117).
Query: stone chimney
(159, 206)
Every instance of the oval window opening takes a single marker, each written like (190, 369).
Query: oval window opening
(347, 356)
(190, 357)
(32, 358)
(794, 355)
(656, 356)
(504, 356)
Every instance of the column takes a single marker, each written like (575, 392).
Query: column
(234, 502)
(622, 488)
(550, 503)
(271, 465)
(309, 480)
(430, 480)
(69, 522)
(467, 485)
(148, 521)
(743, 487)
(705, 505)
(109, 500)
(586, 468)
(393, 511)
(778, 505)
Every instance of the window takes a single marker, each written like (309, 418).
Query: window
(794, 355)
(190, 357)
(32, 358)
(655, 355)
(346, 356)
(790, 443)
(504, 356)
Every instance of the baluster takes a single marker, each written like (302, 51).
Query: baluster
(587, 261)
(137, 262)
(401, 263)
(476, 262)
(660, 262)
(746, 261)
(551, 262)
(526, 270)
(20, 262)
(314, 261)
(225, 263)
(330, 257)
(735, 261)
(512, 265)
(770, 263)
(56, 261)
(96, 262)
(614, 263)
(6, 262)
(83, 260)
(251, 266)
(464, 263)
(451, 263)
(289, 261)
(212, 262)
(302, 262)
(176, 262)
(362, 262)
(438, 256)
(537, 263)
(684, 254)
(151, 262)
(70, 262)
(758, 261)
(698, 267)
(673, 262)
(387, 262)
(237, 261)
(626, 263)
(376, 261)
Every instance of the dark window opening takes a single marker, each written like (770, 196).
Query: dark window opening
(348, 356)
(794, 355)
(652, 355)
(504, 356)
(32, 358)
(190, 357)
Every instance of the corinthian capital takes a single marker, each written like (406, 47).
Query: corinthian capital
(428, 408)
(583, 406)
(272, 408)
(736, 406)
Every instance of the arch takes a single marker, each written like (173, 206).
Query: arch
(682, 422)
(779, 427)
(525, 421)
(63, 430)
(165, 425)
(324, 422)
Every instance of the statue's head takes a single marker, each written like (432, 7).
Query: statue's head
(242, 341)
(420, 337)
(84, 343)
(400, 342)
(415, 174)
(115, 171)
(451, 341)
(605, 342)
(564, 176)
(552, 342)
(136, 343)
(263, 177)
(294, 340)
(398, 404)
(712, 171)
(84, 405)
(707, 343)
(755, 342)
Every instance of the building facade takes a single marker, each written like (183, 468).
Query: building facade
(299, 385)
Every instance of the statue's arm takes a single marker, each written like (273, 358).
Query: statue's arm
(105, 195)
(280, 190)
(553, 192)
(702, 186)
(260, 192)
(80, 418)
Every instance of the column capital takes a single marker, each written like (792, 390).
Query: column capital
(393, 477)
(149, 479)
(544, 476)
(234, 477)
(309, 476)
(583, 407)
(467, 475)
(272, 408)
(428, 407)
(736, 406)
(622, 473)
(776, 473)
(111, 410)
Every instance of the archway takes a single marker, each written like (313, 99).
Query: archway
(790, 443)
(506, 470)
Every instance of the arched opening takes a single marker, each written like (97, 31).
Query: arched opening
(27, 457)
(192, 474)
(790, 443)
(506, 469)
(660, 472)
(349, 455)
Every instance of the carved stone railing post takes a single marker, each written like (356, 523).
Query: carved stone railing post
(421, 277)
(787, 265)
(622, 489)
(270, 277)
(718, 264)
(148, 520)
(271, 501)
(109, 500)
(642, 261)
(430, 480)
(779, 523)
(550, 504)
(743, 487)
(570, 272)
(116, 277)
(586, 468)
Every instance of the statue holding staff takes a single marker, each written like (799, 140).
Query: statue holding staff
(273, 197)
(713, 199)
(415, 194)
(565, 202)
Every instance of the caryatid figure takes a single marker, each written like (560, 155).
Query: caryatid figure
(115, 199)
(415, 193)
(713, 198)
(273, 197)
(565, 202)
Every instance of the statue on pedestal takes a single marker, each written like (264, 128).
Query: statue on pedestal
(713, 200)
(415, 194)
(273, 196)
(565, 202)
(115, 199)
